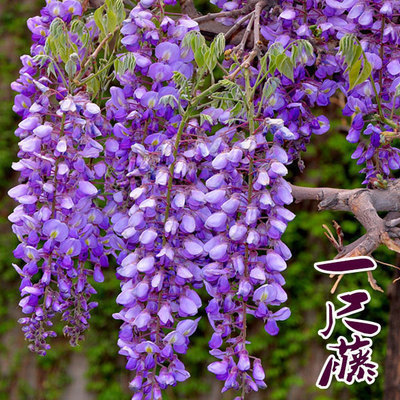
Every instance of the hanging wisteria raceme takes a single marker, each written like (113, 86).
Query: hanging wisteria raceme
(57, 221)
(61, 239)
(141, 142)
(248, 219)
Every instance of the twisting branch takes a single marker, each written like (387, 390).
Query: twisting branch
(222, 14)
(257, 42)
(239, 49)
(365, 205)
(238, 24)
(209, 27)
(339, 199)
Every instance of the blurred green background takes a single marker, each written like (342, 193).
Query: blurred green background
(94, 370)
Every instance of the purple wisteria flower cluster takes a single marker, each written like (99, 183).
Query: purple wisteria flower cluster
(135, 149)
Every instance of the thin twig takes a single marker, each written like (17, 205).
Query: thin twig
(211, 16)
(387, 264)
(237, 24)
(335, 285)
(330, 236)
(100, 46)
(339, 233)
(373, 283)
(257, 43)
(241, 46)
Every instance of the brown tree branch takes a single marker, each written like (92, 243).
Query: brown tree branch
(238, 24)
(340, 199)
(213, 16)
(209, 27)
(365, 205)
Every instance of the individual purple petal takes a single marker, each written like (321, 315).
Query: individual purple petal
(30, 144)
(87, 188)
(282, 314)
(175, 338)
(394, 67)
(218, 367)
(231, 205)
(142, 320)
(55, 229)
(160, 72)
(165, 314)
(147, 347)
(341, 5)
(192, 247)
(146, 265)
(125, 298)
(237, 232)
(149, 99)
(264, 293)
(148, 236)
(167, 52)
(29, 123)
(188, 224)
(271, 327)
(187, 306)
(275, 262)
(216, 221)
(258, 371)
(188, 326)
(71, 247)
(244, 361)
(218, 253)
(366, 17)
(288, 14)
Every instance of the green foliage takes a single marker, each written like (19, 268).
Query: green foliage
(109, 16)
(126, 63)
(206, 57)
(359, 69)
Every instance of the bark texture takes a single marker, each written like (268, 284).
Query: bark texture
(392, 363)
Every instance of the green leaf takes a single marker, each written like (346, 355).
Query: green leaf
(170, 100)
(205, 117)
(270, 87)
(40, 59)
(78, 27)
(397, 90)
(350, 49)
(263, 63)
(99, 19)
(236, 109)
(70, 68)
(199, 57)
(365, 73)
(210, 60)
(354, 55)
(275, 51)
(217, 47)
(112, 21)
(354, 74)
(308, 48)
(295, 53)
(125, 63)
(93, 86)
(117, 6)
(228, 83)
(285, 66)
(57, 28)
(51, 70)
